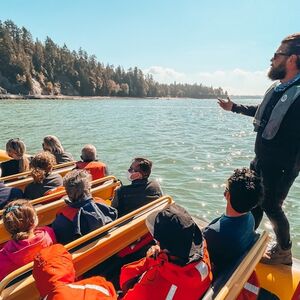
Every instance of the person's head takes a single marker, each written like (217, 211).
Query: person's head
(41, 165)
(52, 267)
(176, 232)
(20, 219)
(140, 168)
(52, 144)
(286, 58)
(78, 185)
(88, 153)
(15, 148)
(244, 190)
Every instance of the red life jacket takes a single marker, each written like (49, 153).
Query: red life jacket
(250, 290)
(96, 168)
(161, 279)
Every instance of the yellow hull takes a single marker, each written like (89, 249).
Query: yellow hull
(281, 280)
(3, 156)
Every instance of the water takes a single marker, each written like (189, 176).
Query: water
(193, 144)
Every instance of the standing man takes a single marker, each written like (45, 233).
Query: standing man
(277, 145)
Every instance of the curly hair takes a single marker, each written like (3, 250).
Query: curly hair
(19, 219)
(245, 190)
(41, 165)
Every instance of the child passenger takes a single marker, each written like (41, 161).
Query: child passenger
(21, 220)
(178, 267)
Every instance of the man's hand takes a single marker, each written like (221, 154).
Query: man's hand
(225, 104)
(153, 251)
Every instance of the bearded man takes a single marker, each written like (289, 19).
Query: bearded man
(277, 145)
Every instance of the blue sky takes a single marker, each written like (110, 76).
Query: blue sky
(220, 43)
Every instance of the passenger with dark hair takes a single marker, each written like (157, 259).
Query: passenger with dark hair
(141, 191)
(277, 145)
(16, 149)
(231, 235)
(82, 214)
(90, 163)
(43, 179)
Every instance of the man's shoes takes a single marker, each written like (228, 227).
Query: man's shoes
(276, 255)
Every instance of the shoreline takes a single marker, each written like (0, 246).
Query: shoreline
(67, 97)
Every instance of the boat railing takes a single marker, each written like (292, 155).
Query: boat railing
(89, 250)
(47, 212)
(61, 193)
(56, 169)
(242, 271)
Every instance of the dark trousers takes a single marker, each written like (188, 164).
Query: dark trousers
(276, 183)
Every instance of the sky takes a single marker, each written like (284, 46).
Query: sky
(216, 43)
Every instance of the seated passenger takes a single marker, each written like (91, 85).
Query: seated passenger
(231, 235)
(54, 276)
(83, 214)
(140, 192)
(177, 267)
(20, 220)
(43, 179)
(19, 163)
(8, 194)
(52, 144)
(89, 162)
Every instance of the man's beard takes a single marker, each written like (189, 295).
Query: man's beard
(277, 73)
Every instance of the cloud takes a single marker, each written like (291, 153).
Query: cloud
(235, 82)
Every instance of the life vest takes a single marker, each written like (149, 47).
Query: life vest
(251, 288)
(160, 279)
(53, 191)
(134, 247)
(96, 168)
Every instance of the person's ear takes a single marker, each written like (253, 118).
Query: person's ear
(136, 175)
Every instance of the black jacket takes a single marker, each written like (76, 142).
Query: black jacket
(140, 192)
(283, 151)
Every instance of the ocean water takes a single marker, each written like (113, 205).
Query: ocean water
(194, 145)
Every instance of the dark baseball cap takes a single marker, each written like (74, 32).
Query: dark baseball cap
(176, 231)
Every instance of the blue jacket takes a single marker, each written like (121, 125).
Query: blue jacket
(80, 218)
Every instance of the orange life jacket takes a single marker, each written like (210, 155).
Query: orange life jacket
(250, 290)
(96, 168)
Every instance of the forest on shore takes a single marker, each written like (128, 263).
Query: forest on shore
(35, 68)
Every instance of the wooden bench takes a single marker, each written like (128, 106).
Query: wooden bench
(21, 180)
(61, 193)
(229, 284)
(87, 251)
(47, 212)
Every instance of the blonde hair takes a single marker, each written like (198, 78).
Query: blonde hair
(19, 219)
(52, 144)
(17, 148)
(41, 165)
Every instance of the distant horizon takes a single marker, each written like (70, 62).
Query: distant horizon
(228, 45)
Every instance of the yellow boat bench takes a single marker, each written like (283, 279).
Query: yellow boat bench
(61, 193)
(47, 212)
(230, 284)
(21, 180)
(89, 250)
